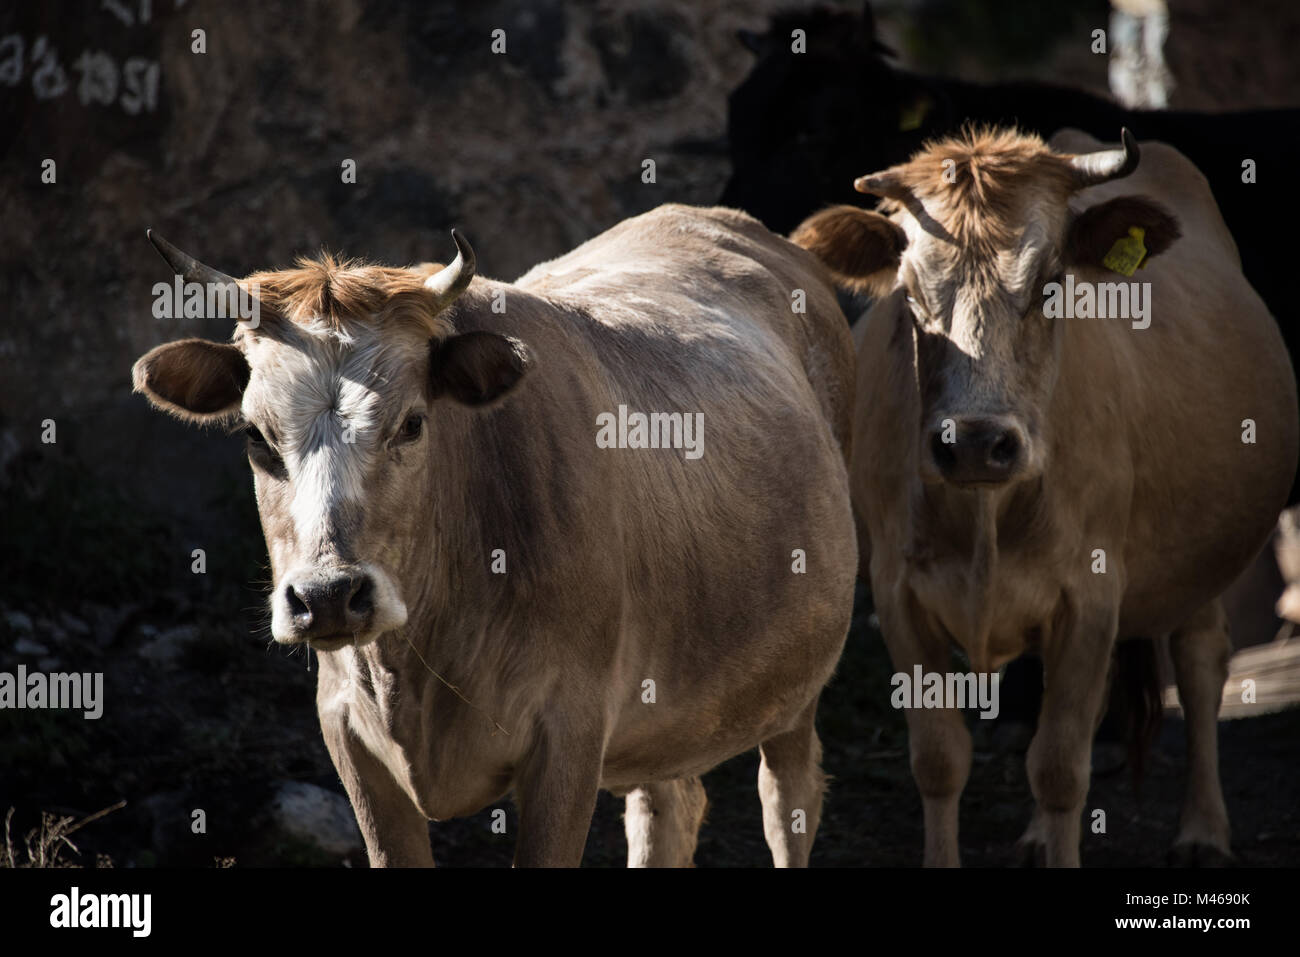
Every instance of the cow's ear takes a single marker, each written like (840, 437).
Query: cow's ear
(1093, 233)
(477, 367)
(861, 247)
(194, 379)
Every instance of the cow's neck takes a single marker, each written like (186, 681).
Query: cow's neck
(961, 546)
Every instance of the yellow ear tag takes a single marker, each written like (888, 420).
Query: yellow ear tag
(1128, 252)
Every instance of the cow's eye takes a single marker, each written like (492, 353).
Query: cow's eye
(260, 450)
(411, 428)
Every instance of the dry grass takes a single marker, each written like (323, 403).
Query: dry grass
(45, 845)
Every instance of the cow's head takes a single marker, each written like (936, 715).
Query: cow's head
(337, 386)
(972, 231)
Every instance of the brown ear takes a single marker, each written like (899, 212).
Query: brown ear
(194, 379)
(1095, 230)
(860, 247)
(476, 368)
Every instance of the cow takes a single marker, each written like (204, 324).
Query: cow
(506, 596)
(802, 125)
(1026, 480)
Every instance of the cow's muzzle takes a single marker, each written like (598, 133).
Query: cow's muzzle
(991, 450)
(333, 607)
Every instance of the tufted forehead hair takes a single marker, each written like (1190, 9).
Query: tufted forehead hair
(979, 183)
(329, 297)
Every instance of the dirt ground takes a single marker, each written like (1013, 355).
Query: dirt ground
(220, 726)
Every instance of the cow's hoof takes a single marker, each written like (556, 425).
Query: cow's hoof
(1030, 854)
(1196, 854)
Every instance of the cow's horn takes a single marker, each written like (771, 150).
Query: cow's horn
(1105, 165)
(185, 264)
(885, 183)
(194, 271)
(452, 280)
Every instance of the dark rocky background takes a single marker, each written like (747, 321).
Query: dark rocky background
(235, 155)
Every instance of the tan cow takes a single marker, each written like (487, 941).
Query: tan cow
(507, 588)
(1028, 478)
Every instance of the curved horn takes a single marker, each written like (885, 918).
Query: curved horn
(453, 280)
(1102, 166)
(885, 183)
(185, 264)
(194, 271)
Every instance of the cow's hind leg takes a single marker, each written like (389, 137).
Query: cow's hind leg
(790, 785)
(663, 823)
(1200, 652)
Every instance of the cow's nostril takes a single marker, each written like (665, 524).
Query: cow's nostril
(1005, 449)
(362, 602)
(944, 453)
(297, 607)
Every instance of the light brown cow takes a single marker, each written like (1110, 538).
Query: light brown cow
(1032, 481)
(502, 601)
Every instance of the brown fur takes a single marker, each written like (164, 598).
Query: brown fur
(341, 292)
(1134, 446)
(624, 565)
(990, 171)
(860, 247)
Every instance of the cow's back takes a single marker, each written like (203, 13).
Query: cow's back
(677, 266)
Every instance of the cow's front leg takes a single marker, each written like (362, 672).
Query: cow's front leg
(939, 741)
(555, 788)
(1076, 663)
(396, 832)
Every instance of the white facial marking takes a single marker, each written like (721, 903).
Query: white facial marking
(327, 401)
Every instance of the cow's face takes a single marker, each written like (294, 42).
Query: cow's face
(337, 411)
(978, 228)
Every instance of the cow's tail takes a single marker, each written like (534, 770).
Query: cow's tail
(1137, 682)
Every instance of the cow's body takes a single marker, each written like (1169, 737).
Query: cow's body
(622, 567)
(1142, 440)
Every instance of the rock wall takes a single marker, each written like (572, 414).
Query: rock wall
(236, 154)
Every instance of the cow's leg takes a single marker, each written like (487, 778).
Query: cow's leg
(396, 832)
(1076, 660)
(1200, 652)
(663, 823)
(790, 786)
(555, 787)
(938, 739)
